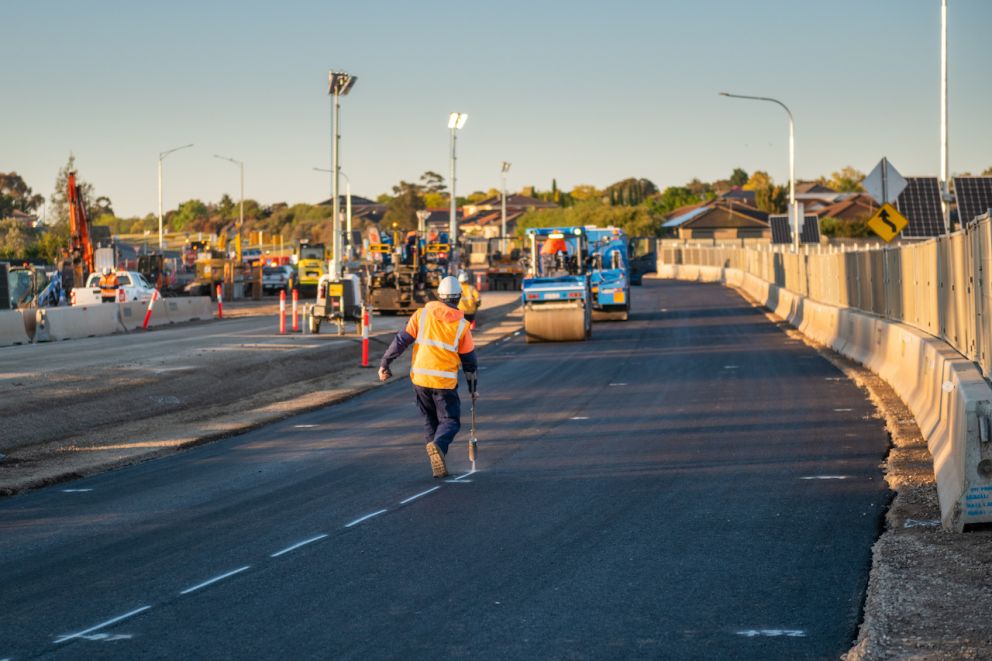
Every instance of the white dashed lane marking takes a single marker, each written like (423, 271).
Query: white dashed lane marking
(419, 495)
(772, 633)
(365, 518)
(215, 579)
(825, 477)
(76, 490)
(297, 545)
(113, 620)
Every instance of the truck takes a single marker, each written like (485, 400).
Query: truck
(311, 265)
(609, 250)
(557, 296)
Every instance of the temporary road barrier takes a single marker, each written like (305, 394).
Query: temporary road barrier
(151, 305)
(365, 336)
(12, 329)
(296, 319)
(220, 303)
(282, 313)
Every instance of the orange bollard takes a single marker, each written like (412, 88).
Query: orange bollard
(296, 319)
(282, 312)
(220, 303)
(148, 314)
(365, 336)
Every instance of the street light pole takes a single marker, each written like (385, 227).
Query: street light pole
(161, 157)
(241, 215)
(456, 121)
(793, 210)
(503, 169)
(339, 84)
(944, 184)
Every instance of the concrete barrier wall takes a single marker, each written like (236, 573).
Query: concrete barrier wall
(12, 328)
(946, 392)
(105, 319)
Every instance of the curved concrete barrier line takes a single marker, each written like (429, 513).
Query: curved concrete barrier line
(948, 395)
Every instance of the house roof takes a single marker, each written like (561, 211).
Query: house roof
(816, 187)
(516, 200)
(720, 213)
(855, 207)
(356, 201)
(738, 193)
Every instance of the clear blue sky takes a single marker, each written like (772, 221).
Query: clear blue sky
(585, 92)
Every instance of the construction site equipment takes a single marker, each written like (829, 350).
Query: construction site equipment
(506, 263)
(311, 265)
(80, 263)
(609, 276)
(337, 301)
(643, 257)
(402, 277)
(556, 292)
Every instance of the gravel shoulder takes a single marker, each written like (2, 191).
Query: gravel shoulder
(102, 403)
(929, 591)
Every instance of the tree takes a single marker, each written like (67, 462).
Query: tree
(585, 193)
(631, 192)
(15, 194)
(672, 198)
(60, 198)
(226, 207)
(771, 199)
(190, 213)
(15, 239)
(760, 179)
(738, 177)
(847, 180)
(432, 182)
(987, 172)
(402, 209)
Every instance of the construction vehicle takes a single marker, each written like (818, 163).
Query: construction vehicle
(609, 276)
(556, 296)
(403, 275)
(506, 260)
(643, 257)
(311, 265)
(80, 263)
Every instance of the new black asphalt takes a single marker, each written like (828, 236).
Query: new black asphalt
(689, 484)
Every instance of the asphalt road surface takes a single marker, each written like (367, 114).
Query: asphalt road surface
(689, 484)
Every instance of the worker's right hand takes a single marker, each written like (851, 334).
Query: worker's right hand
(384, 373)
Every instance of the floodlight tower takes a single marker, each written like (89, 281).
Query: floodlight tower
(456, 121)
(503, 169)
(339, 84)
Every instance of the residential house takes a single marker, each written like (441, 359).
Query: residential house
(720, 219)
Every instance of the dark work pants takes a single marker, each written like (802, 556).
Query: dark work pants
(442, 411)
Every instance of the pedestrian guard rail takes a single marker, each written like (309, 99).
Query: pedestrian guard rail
(916, 314)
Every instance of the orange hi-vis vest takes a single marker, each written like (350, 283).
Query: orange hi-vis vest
(441, 334)
(108, 285)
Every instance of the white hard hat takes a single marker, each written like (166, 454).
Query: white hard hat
(463, 276)
(449, 287)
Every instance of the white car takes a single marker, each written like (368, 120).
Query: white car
(132, 283)
(275, 278)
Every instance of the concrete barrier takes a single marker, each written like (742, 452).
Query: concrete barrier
(946, 392)
(12, 328)
(70, 323)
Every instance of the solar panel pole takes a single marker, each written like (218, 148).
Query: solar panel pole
(944, 188)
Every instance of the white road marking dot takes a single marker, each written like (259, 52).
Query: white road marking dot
(76, 490)
(772, 633)
(365, 518)
(415, 497)
(579, 417)
(825, 477)
(618, 384)
(297, 545)
(215, 579)
(114, 620)
(304, 426)
(842, 410)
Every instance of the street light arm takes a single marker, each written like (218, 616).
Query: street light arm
(163, 154)
(760, 98)
(226, 158)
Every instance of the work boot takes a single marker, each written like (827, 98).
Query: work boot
(437, 460)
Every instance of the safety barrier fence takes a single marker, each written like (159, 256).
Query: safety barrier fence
(916, 314)
(66, 323)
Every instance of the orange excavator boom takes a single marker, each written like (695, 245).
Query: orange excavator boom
(80, 245)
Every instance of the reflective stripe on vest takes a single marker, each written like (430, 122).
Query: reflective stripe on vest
(437, 343)
(427, 372)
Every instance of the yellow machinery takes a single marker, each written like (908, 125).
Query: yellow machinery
(311, 265)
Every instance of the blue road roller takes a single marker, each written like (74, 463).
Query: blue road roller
(556, 297)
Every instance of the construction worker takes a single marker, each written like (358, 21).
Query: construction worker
(108, 285)
(441, 340)
(471, 298)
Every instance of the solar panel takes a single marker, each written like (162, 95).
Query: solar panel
(781, 232)
(811, 230)
(920, 204)
(974, 197)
